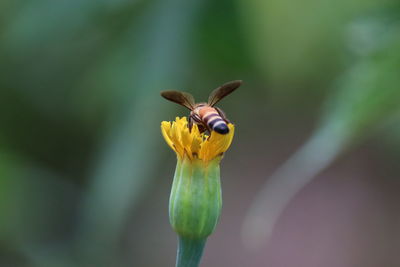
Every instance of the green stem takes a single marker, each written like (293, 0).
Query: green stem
(189, 252)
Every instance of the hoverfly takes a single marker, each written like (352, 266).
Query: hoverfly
(205, 115)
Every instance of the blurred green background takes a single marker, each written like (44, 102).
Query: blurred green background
(312, 177)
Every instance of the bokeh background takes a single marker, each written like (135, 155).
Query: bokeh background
(312, 177)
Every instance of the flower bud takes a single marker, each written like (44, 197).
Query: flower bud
(195, 201)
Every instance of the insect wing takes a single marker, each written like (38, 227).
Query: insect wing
(182, 98)
(223, 91)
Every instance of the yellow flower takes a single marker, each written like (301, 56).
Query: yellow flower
(194, 144)
(195, 201)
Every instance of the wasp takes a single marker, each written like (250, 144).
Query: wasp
(205, 115)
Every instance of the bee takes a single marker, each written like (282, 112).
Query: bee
(205, 115)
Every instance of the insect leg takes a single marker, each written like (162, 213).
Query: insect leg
(190, 123)
(194, 118)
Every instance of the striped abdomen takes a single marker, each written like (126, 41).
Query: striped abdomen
(210, 116)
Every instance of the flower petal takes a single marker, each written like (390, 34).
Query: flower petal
(193, 143)
(165, 130)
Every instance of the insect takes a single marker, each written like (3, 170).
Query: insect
(205, 115)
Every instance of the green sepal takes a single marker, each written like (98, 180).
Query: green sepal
(195, 201)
